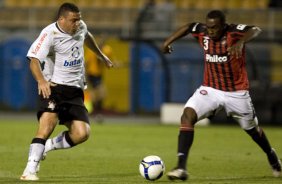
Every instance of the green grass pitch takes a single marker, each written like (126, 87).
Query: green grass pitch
(220, 154)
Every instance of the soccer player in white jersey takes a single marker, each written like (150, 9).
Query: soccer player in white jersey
(60, 88)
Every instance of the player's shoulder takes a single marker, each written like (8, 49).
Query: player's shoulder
(49, 28)
(238, 27)
(50, 31)
(83, 25)
(197, 27)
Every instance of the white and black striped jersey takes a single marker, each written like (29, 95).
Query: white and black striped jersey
(67, 51)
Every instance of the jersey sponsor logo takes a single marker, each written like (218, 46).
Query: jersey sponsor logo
(72, 63)
(216, 58)
(75, 54)
(39, 43)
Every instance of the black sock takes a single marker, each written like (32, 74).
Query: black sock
(38, 140)
(185, 140)
(68, 139)
(260, 138)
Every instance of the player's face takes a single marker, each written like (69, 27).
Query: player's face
(214, 28)
(70, 22)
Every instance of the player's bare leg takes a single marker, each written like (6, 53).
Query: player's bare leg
(185, 140)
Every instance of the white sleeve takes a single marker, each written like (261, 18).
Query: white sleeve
(41, 46)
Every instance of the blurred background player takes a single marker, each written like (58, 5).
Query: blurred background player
(164, 16)
(146, 18)
(225, 85)
(94, 75)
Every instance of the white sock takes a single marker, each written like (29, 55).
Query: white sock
(34, 157)
(58, 142)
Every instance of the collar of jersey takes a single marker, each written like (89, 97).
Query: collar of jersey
(58, 27)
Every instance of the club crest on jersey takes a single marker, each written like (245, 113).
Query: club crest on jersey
(51, 105)
(203, 92)
(216, 58)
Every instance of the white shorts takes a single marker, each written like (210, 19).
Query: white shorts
(207, 101)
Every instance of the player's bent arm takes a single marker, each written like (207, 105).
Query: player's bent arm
(250, 34)
(237, 48)
(43, 85)
(91, 44)
(179, 33)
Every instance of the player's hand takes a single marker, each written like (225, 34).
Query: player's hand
(107, 61)
(167, 49)
(44, 88)
(236, 49)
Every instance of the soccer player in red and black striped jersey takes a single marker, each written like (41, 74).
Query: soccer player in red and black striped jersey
(225, 85)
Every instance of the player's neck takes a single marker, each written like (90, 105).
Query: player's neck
(61, 27)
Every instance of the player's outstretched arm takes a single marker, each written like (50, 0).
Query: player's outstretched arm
(179, 33)
(43, 85)
(91, 44)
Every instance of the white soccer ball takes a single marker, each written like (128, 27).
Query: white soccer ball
(152, 167)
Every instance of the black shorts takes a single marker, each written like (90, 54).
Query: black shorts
(66, 101)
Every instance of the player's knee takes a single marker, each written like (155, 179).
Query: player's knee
(83, 134)
(189, 117)
(80, 134)
(255, 132)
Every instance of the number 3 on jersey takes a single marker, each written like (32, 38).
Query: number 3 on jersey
(206, 44)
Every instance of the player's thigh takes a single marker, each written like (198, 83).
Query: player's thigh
(205, 101)
(239, 105)
(75, 117)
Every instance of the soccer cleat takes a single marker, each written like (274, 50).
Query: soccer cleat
(28, 176)
(177, 174)
(275, 163)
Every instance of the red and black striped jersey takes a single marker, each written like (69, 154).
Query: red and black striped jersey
(222, 71)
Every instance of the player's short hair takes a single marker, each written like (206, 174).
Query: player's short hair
(67, 7)
(217, 14)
